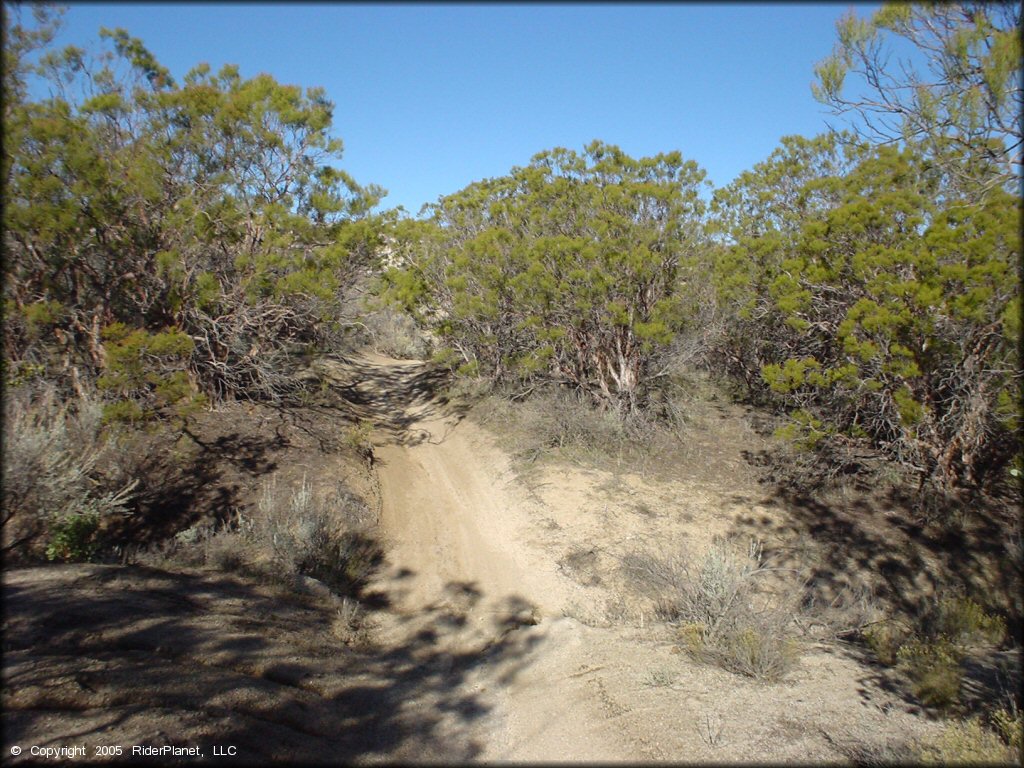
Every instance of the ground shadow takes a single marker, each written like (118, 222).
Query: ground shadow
(396, 399)
(106, 653)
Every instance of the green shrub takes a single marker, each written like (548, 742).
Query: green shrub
(884, 639)
(763, 651)
(1008, 722)
(931, 651)
(934, 670)
(963, 619)
(965, 743)
(73, 537)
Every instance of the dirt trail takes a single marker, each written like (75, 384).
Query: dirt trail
(499, 628)
(462, 571)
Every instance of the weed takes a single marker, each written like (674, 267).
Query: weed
(934, 670)
(965, 743)
(659, 678)
(725, 615)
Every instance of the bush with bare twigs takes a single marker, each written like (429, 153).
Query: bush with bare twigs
(727, 610)
(55, 495)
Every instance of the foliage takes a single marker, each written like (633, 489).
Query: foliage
(167, 235)
(146, 372)
(954, 86)
(876, 308)
(566, 269)
(72, 537)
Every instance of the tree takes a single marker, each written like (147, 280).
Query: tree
(758, 218)
(567, 268)
(204, 217)
(958, 94)
(877, 309)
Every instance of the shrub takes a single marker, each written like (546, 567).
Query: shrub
(964, 620)
(965, 743)
(885, 639)
(55, 496)
(396, 334)
(934, 670)
(72, 537)
(931, 651)
(304, 536)
(1008, 722)
(726, 613)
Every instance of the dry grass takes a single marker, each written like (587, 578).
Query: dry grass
(967, 743)
(395, 334)
(292, 538)
(727, 609)
(56, 492)
(552, 423)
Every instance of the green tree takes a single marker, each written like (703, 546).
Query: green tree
(209, 210)
(758, 218)
(954, 87)
(883, 311)
(567, 268)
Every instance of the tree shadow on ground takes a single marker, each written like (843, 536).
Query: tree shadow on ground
(183, 487)
(878, 539)
(397, 399)
(140, 655)
(884, 545)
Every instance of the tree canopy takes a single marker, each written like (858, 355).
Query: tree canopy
(566, 268)
(204, 219)
(955, 87)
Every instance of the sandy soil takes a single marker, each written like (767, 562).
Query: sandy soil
(476, 554)
(499, 632)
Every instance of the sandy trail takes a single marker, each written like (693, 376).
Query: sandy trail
(462, 572)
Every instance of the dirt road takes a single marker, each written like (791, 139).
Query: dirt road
(462, 571)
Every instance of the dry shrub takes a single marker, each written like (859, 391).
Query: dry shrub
(728, 612)
(55, 496)
(966, 743)
(894, 752)
(554, 422)
(395, 334)
(323, 539)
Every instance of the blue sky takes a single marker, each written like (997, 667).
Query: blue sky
(430, 98)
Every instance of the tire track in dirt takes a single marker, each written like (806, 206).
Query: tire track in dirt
(461, 573)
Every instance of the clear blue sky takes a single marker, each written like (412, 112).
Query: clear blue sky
(430, 98)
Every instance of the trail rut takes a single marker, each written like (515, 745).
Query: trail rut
(461, 571)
